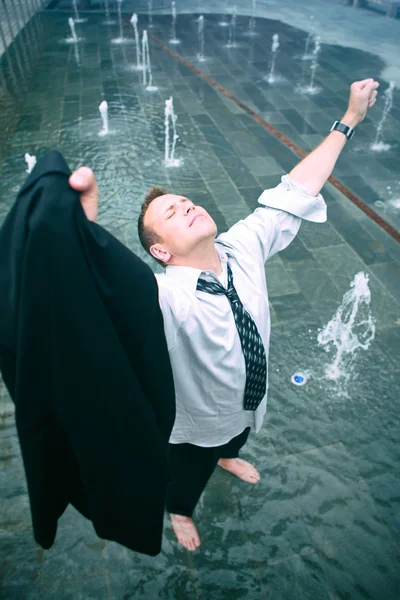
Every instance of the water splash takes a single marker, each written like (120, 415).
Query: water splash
(147, 74)
(170, 120)
(378, 144)
(174, 39)
(352, 327)
(103, 108)
(232, 29)
(30, 161)
(395, 203)
(274, 50)
(200, 32)
(392, 202)
(134, 21)
(77, 19)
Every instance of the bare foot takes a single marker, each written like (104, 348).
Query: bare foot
(241, 468)
(185, 531)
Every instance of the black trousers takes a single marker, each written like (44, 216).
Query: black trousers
(191, 467)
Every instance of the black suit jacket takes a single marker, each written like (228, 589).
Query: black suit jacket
(84, 357)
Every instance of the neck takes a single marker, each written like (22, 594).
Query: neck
(205, 258)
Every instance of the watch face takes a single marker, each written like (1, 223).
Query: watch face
(348, 131)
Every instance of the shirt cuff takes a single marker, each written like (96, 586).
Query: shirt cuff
(293, 198)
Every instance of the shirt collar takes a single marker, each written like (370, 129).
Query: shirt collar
(189, 276)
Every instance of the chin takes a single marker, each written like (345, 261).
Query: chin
(210, 226)
(208, 230)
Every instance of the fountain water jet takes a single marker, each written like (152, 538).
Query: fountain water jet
(103, 108)
(224, 22)
(150, 12)
(200, 54)
(173, 39)
(120, 39)
(77, 19)
(378, 144)
(307, 55)
(352, 326)
(252, 20)
(311, 88)
(134, 21)
(30, 161)
(274, 50)
(170, 117)
(314, 64)
(147, 74)
(74, 38)
(232, 29)
(108, 20)
(119, 7)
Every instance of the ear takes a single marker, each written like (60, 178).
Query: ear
(158, 252)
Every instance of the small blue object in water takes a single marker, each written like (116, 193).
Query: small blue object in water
(299, 379)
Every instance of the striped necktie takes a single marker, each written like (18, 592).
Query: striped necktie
(252, 345)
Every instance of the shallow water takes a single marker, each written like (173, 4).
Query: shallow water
(325, 520)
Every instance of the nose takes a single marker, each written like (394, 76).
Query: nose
(188, 209)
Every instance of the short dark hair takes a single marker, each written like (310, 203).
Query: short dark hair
(147, 236)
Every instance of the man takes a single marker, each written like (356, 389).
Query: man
(214, 300)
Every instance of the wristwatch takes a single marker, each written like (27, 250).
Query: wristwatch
(348, 131)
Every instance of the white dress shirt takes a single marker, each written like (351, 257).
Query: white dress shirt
(203, 342)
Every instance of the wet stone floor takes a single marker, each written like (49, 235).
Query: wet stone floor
(324, 522)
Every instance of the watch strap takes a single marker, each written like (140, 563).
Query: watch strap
(348, 131)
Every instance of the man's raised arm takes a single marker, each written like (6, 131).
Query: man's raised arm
(314, 170)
